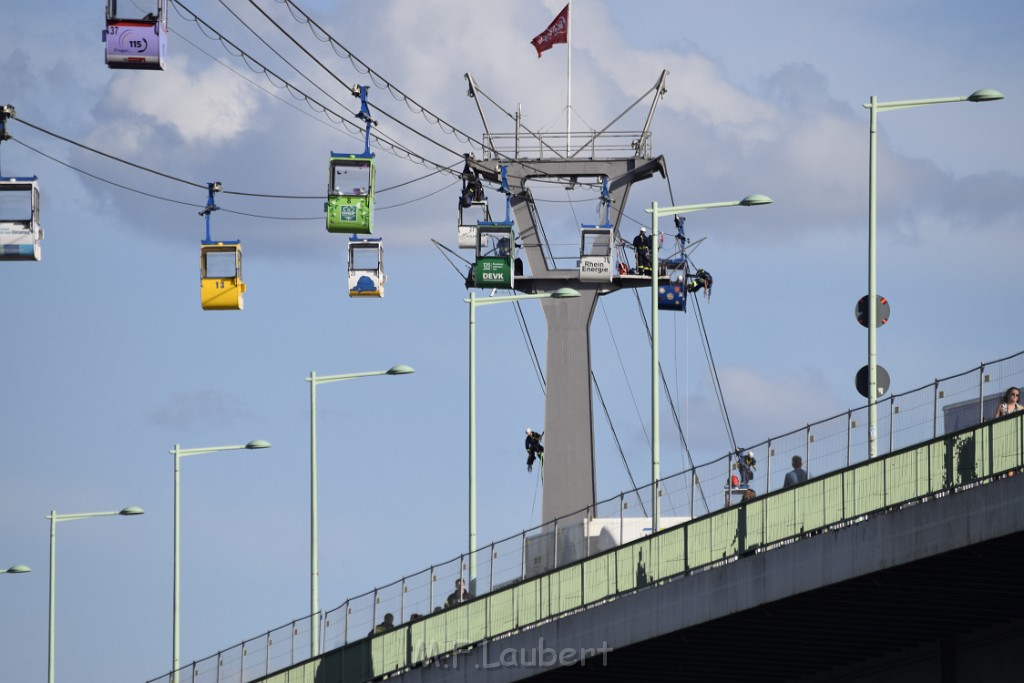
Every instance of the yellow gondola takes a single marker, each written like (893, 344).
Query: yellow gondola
(220, 267)
(221, 285)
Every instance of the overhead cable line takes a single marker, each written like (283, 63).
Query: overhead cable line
(378, 79)
(153, 171)
(280, 56)
(714, 377)
(524, 328)
(96, 177)
(202, 186)
(387, 144)
(413, 201)
(111, 156)
(615, 437)
(254, 84)
(155, 196)
(377, 108)
(535, 358)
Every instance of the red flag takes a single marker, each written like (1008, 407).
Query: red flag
(556, 32)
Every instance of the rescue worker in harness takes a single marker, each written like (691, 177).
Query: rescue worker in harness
(534, 449)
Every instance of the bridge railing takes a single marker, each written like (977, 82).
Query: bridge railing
(972, 456)
(570, 563)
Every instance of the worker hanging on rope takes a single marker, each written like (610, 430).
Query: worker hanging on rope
(534, 449)
(700, 280)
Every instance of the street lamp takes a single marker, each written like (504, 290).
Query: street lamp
(656, 213)
(16, 569)
(875, 106)
(561, 293)
(314, 571)
(54, 518)
(178, 454)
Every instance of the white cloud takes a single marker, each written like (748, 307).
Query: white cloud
(204, 108)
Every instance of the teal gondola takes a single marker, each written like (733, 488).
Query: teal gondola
(495, 242)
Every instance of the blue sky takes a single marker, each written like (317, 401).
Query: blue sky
(110, 361)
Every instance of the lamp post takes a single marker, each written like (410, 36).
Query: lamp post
(656, 213)
(16, 569)
(875, 106)
(561, 293)
(178, 454)
(314, 571)
(54, 518)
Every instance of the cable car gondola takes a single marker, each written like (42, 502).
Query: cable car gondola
(672, 297)
(350, 187)
(220, 267)
(596, 245)
(366, 267)
(495, 242)
(136, 43)
(472, 207)
(20, 232)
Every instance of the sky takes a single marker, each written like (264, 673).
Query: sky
(110, 360)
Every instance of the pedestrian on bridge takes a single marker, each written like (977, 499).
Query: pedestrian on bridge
(460, 594)
(1010, 402)
(797, 475)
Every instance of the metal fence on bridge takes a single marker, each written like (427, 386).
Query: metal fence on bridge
(546, 571)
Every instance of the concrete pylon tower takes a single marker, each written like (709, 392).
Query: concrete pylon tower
(569, 477)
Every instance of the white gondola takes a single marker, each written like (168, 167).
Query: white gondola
(595, 254)
(136, 43)
(366, 267)
(20, 232)
(473, 208)
(596, 244)
(469, 218)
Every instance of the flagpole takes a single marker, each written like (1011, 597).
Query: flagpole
(568, 95)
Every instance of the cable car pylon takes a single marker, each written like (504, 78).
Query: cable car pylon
(569, 474)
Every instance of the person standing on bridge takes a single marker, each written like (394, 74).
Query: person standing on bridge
(384, 626)
(460, 594)
(1010, 402)
(797, 475)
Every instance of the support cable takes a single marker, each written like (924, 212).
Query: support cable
(377, 108)
(385, 142)
(376, 77)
